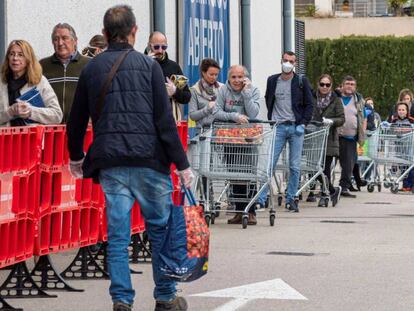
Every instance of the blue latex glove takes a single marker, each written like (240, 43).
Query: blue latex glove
(385, 124)
(300, 129)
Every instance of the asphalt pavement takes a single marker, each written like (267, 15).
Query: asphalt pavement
(356, 256)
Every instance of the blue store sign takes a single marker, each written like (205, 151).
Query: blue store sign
(206, 34)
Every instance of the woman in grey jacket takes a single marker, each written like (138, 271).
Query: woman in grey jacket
(238, 101)
(204, 93)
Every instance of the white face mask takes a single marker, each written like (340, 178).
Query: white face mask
(287, 67)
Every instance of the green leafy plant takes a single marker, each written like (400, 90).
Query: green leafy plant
(311, 10)
(396, 6)
(382, 66)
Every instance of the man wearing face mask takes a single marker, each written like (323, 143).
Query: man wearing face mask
(157, 49)
(289, 103)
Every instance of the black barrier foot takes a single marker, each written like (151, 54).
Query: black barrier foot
(101, 259)
(84, 267)
(46, 277)
(19, 284)
(140, 248)
(4, 306)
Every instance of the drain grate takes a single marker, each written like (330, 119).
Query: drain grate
(291, 254)
(337, 221)
(378, 203)
(403, 215)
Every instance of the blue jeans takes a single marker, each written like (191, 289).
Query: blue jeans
(287, 134)
(152, 190)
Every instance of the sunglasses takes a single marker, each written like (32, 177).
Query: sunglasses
(159, 46)
(235, 77)
(321, 84)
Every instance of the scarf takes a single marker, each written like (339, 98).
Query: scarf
(323, 102)
(208, 91)
(13, 88)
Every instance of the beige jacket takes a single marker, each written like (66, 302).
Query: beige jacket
(50, 114)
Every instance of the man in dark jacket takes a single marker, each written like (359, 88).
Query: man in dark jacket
(289, 103)
(157, 48)
(135, 143)
(63, 68)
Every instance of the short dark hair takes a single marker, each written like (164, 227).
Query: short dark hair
(118, 22)
(290, 53)
(206, 63)
(348, 78)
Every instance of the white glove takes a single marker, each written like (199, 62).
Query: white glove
(385, 124)
(186, 177)
(171, 88)
(75, 168)
(327, 121)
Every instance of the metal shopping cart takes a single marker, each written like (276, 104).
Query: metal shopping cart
(313, 159)
(392, 147)
(230, 154)
(312, 163)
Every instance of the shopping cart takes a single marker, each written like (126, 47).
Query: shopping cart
(392, 147)
(312, 163)
(313, 160)
(231, 154)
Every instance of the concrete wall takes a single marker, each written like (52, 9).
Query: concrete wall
(333, 28)
(266, 41)
(34, 20)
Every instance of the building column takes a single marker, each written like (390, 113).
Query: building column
(325, 7)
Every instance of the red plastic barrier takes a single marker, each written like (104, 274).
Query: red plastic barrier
(19, 148)
(182, 128)
(16, 240)
(19, 194)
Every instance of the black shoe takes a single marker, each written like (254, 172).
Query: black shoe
(121, 306)
(177, 304)
(352, 189)
(335, 196)
(311, 197)
(292, 207)
(347, 194)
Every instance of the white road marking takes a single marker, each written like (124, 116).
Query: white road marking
(272, 289)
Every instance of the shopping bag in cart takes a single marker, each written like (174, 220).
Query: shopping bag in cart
(184, 255)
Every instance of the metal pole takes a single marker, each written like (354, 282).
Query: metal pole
(288, 25)
(159, 15)
(2, 28)
(246, 32)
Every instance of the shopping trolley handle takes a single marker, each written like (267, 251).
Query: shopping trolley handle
(272, 122)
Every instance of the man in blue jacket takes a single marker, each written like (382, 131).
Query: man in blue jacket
(135, 142)
(289, 103)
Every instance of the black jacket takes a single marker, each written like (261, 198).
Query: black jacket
(301, 98)
(170, 68)
(136, 127)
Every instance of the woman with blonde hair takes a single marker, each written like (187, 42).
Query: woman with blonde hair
(25, 94)
(406, 96)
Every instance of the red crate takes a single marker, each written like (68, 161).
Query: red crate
(86, 144)
(19, 148)
(182, 128)
(17, 241)
(64, 229)
(42, 239)
(60, 190)
(19, 194)
(54, 145)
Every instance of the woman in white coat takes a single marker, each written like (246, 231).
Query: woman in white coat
(20, 73)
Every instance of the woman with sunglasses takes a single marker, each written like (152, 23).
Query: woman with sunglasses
(21, 73)
(204, 93)
(329, 110)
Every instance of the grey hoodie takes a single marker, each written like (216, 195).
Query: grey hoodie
(230, 104)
